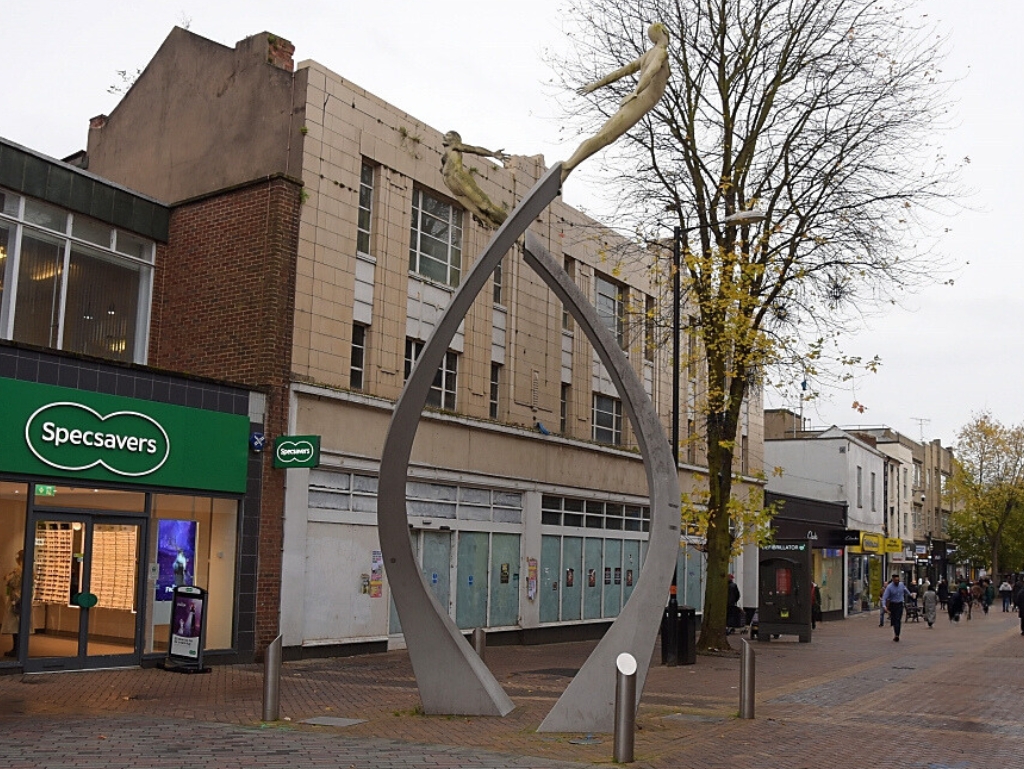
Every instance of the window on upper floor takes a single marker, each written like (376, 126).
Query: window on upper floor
(72, 283)
(498, 281)
(860, 486)
(494, 410)
(872, 492)
(564, 402)
(607, 419)
(435, 240)
(570, 269)
(358, 369)
(442, 390)
(692, 347)
(364, 226)
(611, 307)
(650, 343)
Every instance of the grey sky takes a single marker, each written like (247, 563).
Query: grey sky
(460, 65)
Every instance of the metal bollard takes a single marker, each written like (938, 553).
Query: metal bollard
(625, 707)
(480, 642)
(747, 680)
(272, 681)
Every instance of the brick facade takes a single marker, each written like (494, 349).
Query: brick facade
(224, 295)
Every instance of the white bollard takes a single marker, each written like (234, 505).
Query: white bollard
(625, 707)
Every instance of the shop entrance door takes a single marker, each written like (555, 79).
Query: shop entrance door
(85, 591)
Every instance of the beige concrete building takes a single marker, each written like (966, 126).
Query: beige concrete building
(527, 494)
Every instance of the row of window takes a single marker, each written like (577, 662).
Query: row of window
(592, 514)
(435, 253)
(606, 414)
(353, 492)
(69, 282)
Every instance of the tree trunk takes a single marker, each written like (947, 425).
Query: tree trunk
(718, 540)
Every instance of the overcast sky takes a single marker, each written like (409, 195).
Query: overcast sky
(457, 64)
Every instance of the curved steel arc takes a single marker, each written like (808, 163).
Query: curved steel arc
(588, 704)
(451, 677)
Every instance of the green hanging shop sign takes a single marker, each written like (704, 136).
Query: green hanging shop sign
(61, 432)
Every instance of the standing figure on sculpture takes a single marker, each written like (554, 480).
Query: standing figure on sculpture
(650, 87)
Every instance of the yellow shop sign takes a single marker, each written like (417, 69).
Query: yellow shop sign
(870, 543)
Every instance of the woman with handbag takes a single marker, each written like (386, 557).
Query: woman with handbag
(12, 617)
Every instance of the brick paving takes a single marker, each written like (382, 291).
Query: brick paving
(944, 698)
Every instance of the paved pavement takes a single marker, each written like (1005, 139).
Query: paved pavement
(951, 697)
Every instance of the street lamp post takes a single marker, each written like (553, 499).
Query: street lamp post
(670, 625)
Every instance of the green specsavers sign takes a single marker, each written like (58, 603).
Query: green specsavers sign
(56, 431)
(297, 451)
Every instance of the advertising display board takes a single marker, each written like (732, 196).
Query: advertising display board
(187, 629)
(175, 556)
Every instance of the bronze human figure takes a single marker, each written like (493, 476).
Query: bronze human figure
(463, 186)
(650, 87)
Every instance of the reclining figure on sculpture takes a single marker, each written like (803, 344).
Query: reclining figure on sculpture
(463, 186)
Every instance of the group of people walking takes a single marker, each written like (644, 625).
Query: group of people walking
(966, 596)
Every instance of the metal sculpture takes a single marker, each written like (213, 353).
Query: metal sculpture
(452, 679)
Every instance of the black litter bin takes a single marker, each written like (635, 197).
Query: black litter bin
(687, 635)
(684, 637)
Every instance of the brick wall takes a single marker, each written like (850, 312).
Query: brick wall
(224, 294)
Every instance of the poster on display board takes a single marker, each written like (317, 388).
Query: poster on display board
(376, 588)
(188, 629)
(175, 556)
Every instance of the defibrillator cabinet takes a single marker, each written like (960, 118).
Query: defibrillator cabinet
(785, 591)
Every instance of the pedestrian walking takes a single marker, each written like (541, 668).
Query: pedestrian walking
(815, 605)
(930, 601)
(1020, 610)
(892, 600)
(943, 593)
(733, 614)
(955, 605)
(881, 605)
(1006, 593)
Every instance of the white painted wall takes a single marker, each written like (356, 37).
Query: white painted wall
(825, 468)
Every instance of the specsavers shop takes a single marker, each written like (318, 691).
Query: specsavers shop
(118, 482)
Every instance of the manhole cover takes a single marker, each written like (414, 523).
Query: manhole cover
(332, 721)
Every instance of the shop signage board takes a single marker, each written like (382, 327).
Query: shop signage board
(297, 451)
(65, 433)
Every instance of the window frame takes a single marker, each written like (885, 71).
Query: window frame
(610, 303)
(444, 387)
(358, 370)
(451, 266)
(76, 237)
(364, 208)
(494, 404)
(598, 431)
